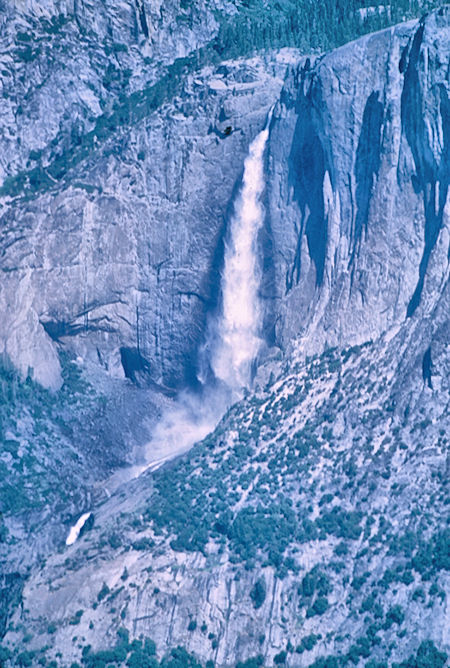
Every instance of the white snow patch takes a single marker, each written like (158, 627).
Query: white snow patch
(75, 530)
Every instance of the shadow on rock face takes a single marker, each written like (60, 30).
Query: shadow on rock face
(138, 370)
(431, 177)
(306, 174)
(367, 164)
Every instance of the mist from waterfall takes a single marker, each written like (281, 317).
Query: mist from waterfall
(234, 333)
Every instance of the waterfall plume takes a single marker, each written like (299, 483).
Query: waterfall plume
(234, 333)
(237, 330)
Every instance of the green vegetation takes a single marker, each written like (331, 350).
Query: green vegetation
(305, 24)
(319, 607)
(5, 654)
(40, 440)
(258, 593)
(135, 654)
(103, 593)
(76, 618)
(250, 493)
(313, 592)
(140, 653)
(308, 643)
(280, 658)
(254, 662)
(394, 615)
(250, 487)
(128, 110)
(340, 523)
(427, 656)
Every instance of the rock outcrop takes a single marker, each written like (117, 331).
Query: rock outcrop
(359, 188)
(116, 189)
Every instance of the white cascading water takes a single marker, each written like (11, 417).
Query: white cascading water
(234, 336)
(238, 329)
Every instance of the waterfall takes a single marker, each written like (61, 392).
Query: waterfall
(233, 335)
(237, 331)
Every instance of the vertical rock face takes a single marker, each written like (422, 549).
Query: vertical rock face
(359, 173)
(117, 185)
(117, 178)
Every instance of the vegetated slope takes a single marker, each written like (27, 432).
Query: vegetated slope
(55, 447)
(312, 525)
(307, 25)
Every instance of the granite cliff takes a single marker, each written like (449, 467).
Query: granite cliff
(359, 177)
(310, 527)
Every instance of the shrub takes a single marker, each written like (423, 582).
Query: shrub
(253, 662)
(258, 593)
(316, 581)
(319, 607)
(394, 615)
(361, 648)
(280, 658)
(428, 656)
(341, 523)
(307, 643)
(326, 662)
(25, 659)
(142, 656)
(104, 591)
(143, 544)
(5, 654)
(76, 618)
(179, 658)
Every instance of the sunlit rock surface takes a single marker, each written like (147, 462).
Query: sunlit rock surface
(117, 186)
(359, 174)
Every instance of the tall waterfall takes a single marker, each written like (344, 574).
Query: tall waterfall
(238, 328)
(234, 335)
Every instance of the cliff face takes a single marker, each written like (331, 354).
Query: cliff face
(117, 186)
(310, 525)
(117, 183)
(358, 177)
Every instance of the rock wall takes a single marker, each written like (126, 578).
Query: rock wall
(116, 194)
(359, 172)
(117, 178)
